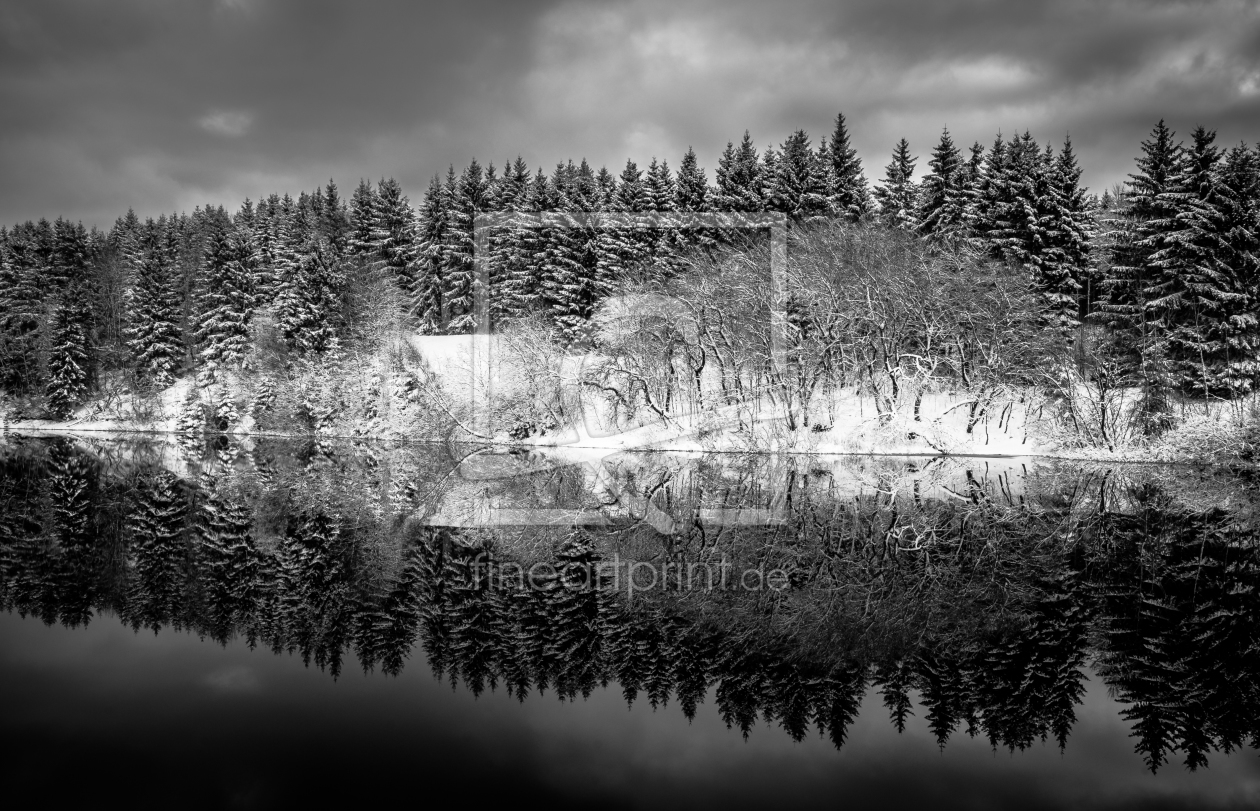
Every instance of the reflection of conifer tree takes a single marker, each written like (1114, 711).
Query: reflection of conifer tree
(154, 531)
(894, 680)
(75, 564)
(1180, 630)
(229, 563)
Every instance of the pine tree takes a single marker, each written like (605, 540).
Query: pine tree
(363, 211)
(1240, 226)
(797, 187)
(942, 195)
(898, 194)
(1067, 225)
(738, 176)
(985, 198)
(468, 198)
(153, 305)
(227, 301)
(334, 220)
(394, 238)
(1150, 210)
(1193, 293)
(692, 186)
(429, 300)
(20, 312)
(308, 292)
(850, 197)
(69, 372)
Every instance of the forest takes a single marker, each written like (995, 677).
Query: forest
(1119, 307)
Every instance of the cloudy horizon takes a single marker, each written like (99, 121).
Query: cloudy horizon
(165, 106)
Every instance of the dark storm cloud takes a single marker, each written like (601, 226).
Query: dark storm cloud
(160, 105)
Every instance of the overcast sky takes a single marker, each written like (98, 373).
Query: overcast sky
(163, 105)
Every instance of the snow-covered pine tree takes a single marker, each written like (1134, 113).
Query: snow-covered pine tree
(21, 306)
(510, 270)
(308, 299)
(334, 219)
(153, 306)
(985, 197)
(692, 185)
(1068, 228)
(394, 239)
(668, 242)
(1149, 215)
(362, 215)
(850, 197)
(1240, 222)
(1192, 295)
(798, 187)
(227, 302)
(898, 194)
(942, 194)
(619, 248)
(468, 200)
(738, 177)
(429, 299)
(69, 373)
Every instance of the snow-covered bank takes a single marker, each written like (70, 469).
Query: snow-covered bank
(483, 390)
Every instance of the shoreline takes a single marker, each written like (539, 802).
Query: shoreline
(26, 429)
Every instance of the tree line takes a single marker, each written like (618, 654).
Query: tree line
(1162, 270)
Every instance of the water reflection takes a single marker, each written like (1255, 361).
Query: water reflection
(973, 593)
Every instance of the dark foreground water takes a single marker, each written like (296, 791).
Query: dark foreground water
(295, 624)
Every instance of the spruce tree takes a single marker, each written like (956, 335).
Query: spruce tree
(1192, 294)
(468, 198)
(1240, 226)
(797, 187)
(898, 194)
(360, 241)
(692, 186)
(69, 373)
(153, 305)
(1149, 217)
(429, 302)
(850, 197)
(227, 302)
(942, 195)
(738, 176)
(21, 306)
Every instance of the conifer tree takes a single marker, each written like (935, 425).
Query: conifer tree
(429, 301)
(360, 241)
(1240, 226)
(898, 194)
(850, 197)
(69, 373)
(1150, 211)
(797, 187)
(394, 241)
(692, 186)
(1192, 294)
(153, 305)
(942, 200)
(227, 302)
(468, 198)
(738, 176)
(21, 301)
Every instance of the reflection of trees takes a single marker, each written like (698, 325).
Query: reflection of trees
(1182, 628)
(975, 609)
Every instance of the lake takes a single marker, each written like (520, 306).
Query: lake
(273, 622)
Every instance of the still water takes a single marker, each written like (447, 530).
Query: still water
(285, 623)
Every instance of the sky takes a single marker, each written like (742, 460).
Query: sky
(163, 105)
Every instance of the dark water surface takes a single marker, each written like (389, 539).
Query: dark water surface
(299, 624)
